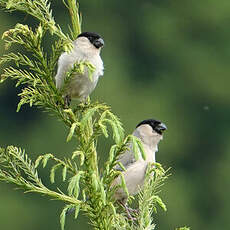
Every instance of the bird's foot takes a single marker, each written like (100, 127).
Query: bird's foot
(81, 107)
(131, 213)
(67, 101)
(135, 211)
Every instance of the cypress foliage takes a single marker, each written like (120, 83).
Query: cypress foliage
(87, 190)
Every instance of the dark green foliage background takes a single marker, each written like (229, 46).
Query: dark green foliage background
(163, 59)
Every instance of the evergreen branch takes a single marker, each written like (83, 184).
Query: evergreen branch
(17, 168)
(148, 198)
(67, 166)
(57, 49)
(85, 122)
(73, 188)
(13, 163)
(23, 35)
(19, 59)
(73, 8)
(40, 9)
(136, 145)
(108, 117)
(31, 41)
(80, 154)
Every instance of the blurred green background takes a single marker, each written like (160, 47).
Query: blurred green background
(163, 59)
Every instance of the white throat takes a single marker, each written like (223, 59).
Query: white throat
(150, 152)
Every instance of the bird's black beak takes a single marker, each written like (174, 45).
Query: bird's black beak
(98, 43)
(160, 128)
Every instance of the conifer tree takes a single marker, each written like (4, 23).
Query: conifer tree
(88, 191)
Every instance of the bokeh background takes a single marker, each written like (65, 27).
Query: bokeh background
(163, 59)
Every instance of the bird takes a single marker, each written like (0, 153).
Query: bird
(86, 48)
(150, 133)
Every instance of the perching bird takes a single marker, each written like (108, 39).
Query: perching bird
(150, 133)
(87, 48)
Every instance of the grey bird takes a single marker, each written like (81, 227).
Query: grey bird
(87, 48)
(150, 132)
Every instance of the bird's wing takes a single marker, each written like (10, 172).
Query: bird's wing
(64, 64)
(126, 159)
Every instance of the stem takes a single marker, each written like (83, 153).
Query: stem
(100, 217)
(93, 158)
(73, 7)
(57, 195)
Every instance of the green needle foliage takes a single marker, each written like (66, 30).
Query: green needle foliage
(88, 190)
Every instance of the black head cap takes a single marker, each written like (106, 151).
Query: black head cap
(94, 38)
(156, 125)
